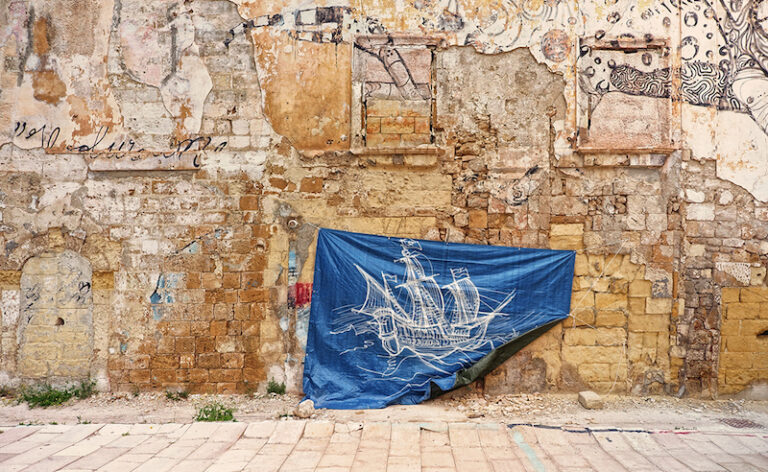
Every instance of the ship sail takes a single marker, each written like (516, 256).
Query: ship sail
(423, 291)
(419, 316)
(378, 297)
(466, 297)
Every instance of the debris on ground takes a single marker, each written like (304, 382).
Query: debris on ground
(590, 400)
(305, 409)
(472, 406)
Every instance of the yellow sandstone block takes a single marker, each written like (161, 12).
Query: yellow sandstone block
(759, 359)
(613, 264)
(640, 288)
(751, 327)
(754, 294)
(566, 242)
(740, 377)
(742, 344)
(582, 299)
(730, 328)
(634, 341)
(581, 317)
(637, 305)
(595, 372)
(611, 336)
(581, 266)
(103, 280)
(658, 305)
(580, 337)
(575, 229)
(610, 318)
(610, 301)
(596, 265)
(742, 311)
(646, 323)
(735, 360)
(629, 271)
(578, 355)
(730, 294)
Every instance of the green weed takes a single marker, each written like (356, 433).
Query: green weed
(45, 395)
(176, 396)
(214, 411)
(87, 388)
(274, 387)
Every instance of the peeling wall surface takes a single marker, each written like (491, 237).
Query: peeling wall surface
(164, 167)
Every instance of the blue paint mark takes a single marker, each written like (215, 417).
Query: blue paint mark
(159, 286)
(302, 326)
(529, 452)
(123, 348)
(162, 295)
(191, 248)
(293, 276)
(172, 279)
(157, 312)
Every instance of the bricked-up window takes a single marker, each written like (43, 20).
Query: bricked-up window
(625, 96)
(394, 78)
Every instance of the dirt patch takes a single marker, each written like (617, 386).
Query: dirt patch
(652, 413)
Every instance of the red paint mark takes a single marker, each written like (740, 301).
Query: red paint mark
(303, 294)
(299, 295)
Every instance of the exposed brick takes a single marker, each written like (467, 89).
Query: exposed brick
(249, 202)
(311, 185)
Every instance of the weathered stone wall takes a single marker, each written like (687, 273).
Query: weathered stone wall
(56, 324)
(185, 153)
(744, 338)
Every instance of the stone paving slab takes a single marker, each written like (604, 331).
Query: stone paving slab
(319, 446)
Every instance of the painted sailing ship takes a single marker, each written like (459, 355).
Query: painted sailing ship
(420, 315)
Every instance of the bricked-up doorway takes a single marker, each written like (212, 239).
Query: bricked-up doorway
(56, 322)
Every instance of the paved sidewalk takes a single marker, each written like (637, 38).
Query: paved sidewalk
(297, 446)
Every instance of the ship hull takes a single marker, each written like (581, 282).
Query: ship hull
(435, 340)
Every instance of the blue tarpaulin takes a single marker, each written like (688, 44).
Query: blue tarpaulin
(397, 321)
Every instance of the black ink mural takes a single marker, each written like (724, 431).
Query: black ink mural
(738, 81)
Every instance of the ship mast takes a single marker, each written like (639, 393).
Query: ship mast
(424, 292)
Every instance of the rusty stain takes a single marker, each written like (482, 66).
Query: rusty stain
(40, 34)
(48, 86)
(180, 132)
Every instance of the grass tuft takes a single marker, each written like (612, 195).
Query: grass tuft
(86, 388)
(45, 395)
(176, 396)
(274, 387)
(214, 411)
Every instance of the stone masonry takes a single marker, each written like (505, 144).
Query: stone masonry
(164, 169)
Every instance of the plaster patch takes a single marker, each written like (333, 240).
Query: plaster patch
(9, 306)
(738, 270)
(741, 156)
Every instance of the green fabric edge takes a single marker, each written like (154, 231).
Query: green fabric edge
(493, 360)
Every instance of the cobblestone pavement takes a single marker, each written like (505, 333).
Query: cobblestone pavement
(297, 446)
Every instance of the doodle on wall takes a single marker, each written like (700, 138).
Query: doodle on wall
(490, 29)
(739, 82)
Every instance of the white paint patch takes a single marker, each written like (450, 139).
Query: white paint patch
(9, 306)
(741, 156)
(738, 270)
